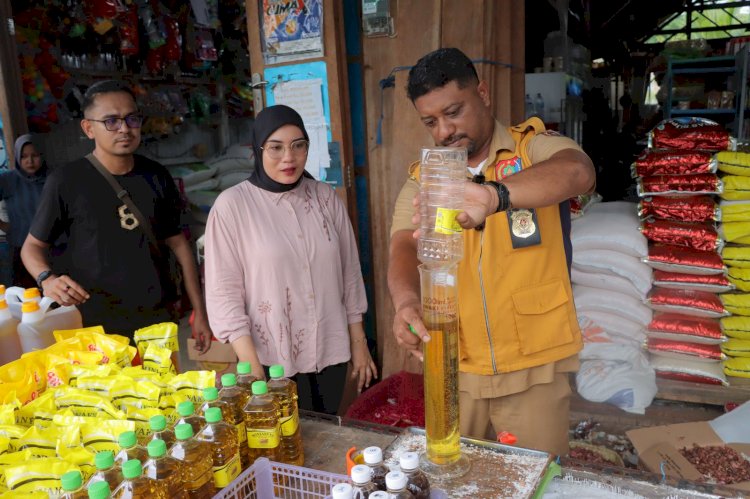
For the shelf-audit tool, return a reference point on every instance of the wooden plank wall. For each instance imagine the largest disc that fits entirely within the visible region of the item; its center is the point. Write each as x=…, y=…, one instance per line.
x=11, y=93
x=483, y=29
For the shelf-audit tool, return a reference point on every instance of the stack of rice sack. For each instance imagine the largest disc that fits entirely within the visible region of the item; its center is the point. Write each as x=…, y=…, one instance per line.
x=610, y=285
x=678, y=184
x=735, y=229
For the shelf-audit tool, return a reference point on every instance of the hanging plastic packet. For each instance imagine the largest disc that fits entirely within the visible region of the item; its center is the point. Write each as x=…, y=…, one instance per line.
x=739, y=367
x=141, y=418
x=84, y=403
x=43, y=406
x=38, y=475
x=686, y=260
x=685, y=349
x=75, y=371
x=688, y=302
x=128, y=393
x=104, y=434
x=681, y=209
x=158, y=359
x=191, y=384
x=673, y=162
x=81, y=457
x=701, y=237
x=716, y=283
x=736, y=347
x=691, y=133
x=734, y=162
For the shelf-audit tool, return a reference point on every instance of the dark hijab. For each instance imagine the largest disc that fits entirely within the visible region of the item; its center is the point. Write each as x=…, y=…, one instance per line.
x=40, y=175
x=268, y=121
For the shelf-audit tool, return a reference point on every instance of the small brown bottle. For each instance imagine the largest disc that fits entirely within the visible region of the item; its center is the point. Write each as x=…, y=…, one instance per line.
x=396, y=482
x=362, y=482
x=418, y=483
x=374, y=459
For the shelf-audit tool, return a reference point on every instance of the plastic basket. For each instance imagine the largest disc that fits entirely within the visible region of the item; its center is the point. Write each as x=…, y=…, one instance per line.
x=268, y=479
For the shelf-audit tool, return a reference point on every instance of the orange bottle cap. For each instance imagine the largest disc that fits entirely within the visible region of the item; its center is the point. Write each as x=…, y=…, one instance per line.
x=29, y=306
x=3, y=304
x=31, y=293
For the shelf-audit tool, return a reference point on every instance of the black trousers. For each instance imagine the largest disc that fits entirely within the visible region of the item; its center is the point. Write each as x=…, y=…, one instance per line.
x=320, y=392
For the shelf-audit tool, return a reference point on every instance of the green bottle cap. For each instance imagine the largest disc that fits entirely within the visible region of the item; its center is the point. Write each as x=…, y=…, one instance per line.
x=276, y=371
x=157, y=423
x=210, y=394
x=185, y=408
x=259, y=388
x=127, y=439
x=228, y=379
x=132, y=469
x=157, y=448
x=104, y=459
x=99, y=490
x=244, y=368
x=213, y=415
x=71, y=481
x=183, y=431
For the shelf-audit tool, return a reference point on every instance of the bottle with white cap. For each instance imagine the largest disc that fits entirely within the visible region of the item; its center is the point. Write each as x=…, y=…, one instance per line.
x=342, y=491
x=379, y=494
x=362, y=479
x=396, y=482
x=374, y=459
x=418, y=484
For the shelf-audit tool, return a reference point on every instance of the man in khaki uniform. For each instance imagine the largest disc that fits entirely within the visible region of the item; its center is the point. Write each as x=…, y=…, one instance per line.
x=519, y=336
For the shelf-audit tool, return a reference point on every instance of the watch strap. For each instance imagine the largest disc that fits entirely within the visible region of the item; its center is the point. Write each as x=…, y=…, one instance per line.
x=503, y=196
x=42, y=277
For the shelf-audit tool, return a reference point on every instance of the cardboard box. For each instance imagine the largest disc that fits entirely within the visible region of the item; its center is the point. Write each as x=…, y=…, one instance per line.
x=658, y=446
x=220, y=357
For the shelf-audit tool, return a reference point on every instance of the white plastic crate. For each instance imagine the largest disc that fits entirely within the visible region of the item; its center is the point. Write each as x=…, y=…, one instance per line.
x=268, y=479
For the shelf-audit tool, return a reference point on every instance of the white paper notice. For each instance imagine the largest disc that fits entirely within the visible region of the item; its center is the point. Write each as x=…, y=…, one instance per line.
x=306, y=97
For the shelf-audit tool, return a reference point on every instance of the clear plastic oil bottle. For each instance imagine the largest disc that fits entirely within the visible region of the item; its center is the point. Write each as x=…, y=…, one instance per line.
x=237, y=398
x=374, y=459
x=165, y=469
x=245, y=377
x=129, y=449
x=284, y=391
x=99, y=490
x=72, y=486
x=211, y=399
x=159, y=431
x=342, y=491
x=379, y=494
x=225, y=453
x=262, y=423
x=186, y=410
x=198, y=466
x=136, y=486
x=361, y=475
x=396, y=482
x=418, y=484
x=106, y=470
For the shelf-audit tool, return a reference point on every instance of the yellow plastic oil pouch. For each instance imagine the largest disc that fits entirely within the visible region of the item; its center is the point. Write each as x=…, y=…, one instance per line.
x=168, y=406
x=115, y=352
x=192, y=383
x=64, y=334
x=43, y=405
x=4, y=445
x=739, y=277
x=41, y=443
x=739, y=366
x=163, y=334
x=104, y=434
x=141, y=419
x=12, y=459
x=129, y=393
x=138, y=373
x=81, y=457
x=735, y=187
x=735, y=347
x=21, y=379
x=84, y=403
x=734, y=162
x=12, y=432
x=736, y=256
x=736, y=303
x=8, y=413
x=76, y=371
x=100, y=385
x=38, y=475
x=736, y=326
x=158, y=359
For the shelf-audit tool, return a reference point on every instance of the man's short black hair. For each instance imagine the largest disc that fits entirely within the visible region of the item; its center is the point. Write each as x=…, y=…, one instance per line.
x=104, y=87
x=439, y=68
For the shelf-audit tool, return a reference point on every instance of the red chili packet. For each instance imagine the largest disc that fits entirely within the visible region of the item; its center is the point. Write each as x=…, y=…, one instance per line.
x=682, y=209
x=716, y=283
x=678, y=326
x=679, y=185
x=673, y=162
x=688, y=302
x=696, y=351
x=690, y=133
x=690, y=235
x=686, y=260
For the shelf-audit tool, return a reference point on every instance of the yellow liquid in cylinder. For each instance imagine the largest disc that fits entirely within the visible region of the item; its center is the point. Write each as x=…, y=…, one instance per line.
x=285, y=393
x=198, y=477
x=225, y=452
x=141, y=487
x=441, y=392
x=237, y=398
x=263, y=428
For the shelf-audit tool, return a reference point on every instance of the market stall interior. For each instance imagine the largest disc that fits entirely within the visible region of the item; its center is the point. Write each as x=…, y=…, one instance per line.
x=655, y=93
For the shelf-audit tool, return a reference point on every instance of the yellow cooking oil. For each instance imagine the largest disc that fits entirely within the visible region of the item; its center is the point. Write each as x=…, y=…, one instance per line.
x=284, y=391
x=262, y=423
x=198, y=465
x=245, y=377
x=106, y=470
x=72, y=486
x=136, y=486
x=211, y=399
x=225, y=453
x=165, y=469
x=159, y=431
x=99, y=490
x=237, y=398
x=186, y=410
x=129, y=449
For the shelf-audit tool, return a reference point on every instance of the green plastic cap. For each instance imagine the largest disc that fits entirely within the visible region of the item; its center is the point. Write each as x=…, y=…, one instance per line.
x=132, y=469
x=127, y=439
x=259, y=388
x=183, y=431
x=99, y=490
x=186, y=408
x=210, y=394
x=71, y=480
x=244, y=368
x=157, y=448
x=104, y=459
x=276, y=371
x=228, y=379
x=213, y=415
x=157, y=423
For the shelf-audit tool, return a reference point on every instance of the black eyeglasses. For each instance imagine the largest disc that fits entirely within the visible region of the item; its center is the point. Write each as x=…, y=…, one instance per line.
x=115, y=123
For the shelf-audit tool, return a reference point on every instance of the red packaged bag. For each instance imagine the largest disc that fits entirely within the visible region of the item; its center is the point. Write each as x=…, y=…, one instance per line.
x=716, y=283
x=685, y=349
x=687, y=301
x=673, y=162
x=681, y=209
x=690, y=370
x=690, y=133
x=698, y=236
x=678, y=327
x=685, y=260
x=679, y=185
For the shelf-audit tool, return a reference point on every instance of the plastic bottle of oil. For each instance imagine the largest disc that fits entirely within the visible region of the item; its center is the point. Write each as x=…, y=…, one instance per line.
x=136, y=486
x=211, y=399
x=225, y=452
x=418, y=484
x=374, y=459
x=72, y=485
x=262, y=423
x=129, y=449
x=396, y=482
x=99, y=490
x=186, y=410
x=284, y=391
x=342, y=491
x=165, y=469
x=237, y=398
x=362, y=481
x=245, y=378
x=198, y=466
x=106, y=471
x=159, y=431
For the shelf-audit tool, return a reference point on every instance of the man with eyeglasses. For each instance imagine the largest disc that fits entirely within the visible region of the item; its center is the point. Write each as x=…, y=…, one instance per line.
x=109, y=267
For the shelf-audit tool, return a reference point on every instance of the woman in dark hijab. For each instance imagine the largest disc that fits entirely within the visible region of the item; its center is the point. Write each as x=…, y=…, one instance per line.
x=21, y=189
x=283, y=281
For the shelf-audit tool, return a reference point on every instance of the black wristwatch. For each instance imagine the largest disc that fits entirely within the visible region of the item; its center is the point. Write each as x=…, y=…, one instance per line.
x=503, y=196
x=42, y=277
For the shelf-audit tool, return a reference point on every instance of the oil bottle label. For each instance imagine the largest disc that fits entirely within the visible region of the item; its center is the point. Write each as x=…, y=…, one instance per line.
x=241, y=432
x=223, y=475
x=263, y=438
x=290, y=424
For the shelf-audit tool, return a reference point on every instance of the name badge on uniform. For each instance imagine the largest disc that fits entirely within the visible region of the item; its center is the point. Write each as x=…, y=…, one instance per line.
x=524, y=228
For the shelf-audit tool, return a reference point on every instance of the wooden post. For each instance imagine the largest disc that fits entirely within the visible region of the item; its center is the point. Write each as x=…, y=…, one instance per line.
x=11, y=92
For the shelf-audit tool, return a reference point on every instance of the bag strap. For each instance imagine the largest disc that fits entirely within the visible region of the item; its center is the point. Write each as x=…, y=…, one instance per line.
x=124, y=196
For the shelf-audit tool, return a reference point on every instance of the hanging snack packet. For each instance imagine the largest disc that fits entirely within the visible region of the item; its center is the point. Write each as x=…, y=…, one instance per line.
x=38, y=475
x=126, y=392
x=701, y=237
x=104, y=434
x=673, y=162
x=191, y=384
x=84, y=403
x=158, y=359
x=683, y=209
x=690, y=133
x=734, y=162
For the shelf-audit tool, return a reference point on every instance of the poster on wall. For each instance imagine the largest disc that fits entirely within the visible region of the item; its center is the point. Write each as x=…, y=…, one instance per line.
x=292, y=29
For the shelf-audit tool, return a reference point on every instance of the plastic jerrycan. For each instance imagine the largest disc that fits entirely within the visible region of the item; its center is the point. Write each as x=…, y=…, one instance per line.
x=11, y=345
x=15, y=296
x=38, y=322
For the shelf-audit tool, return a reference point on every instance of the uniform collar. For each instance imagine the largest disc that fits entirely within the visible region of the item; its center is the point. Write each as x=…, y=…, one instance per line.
x=501, y=141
